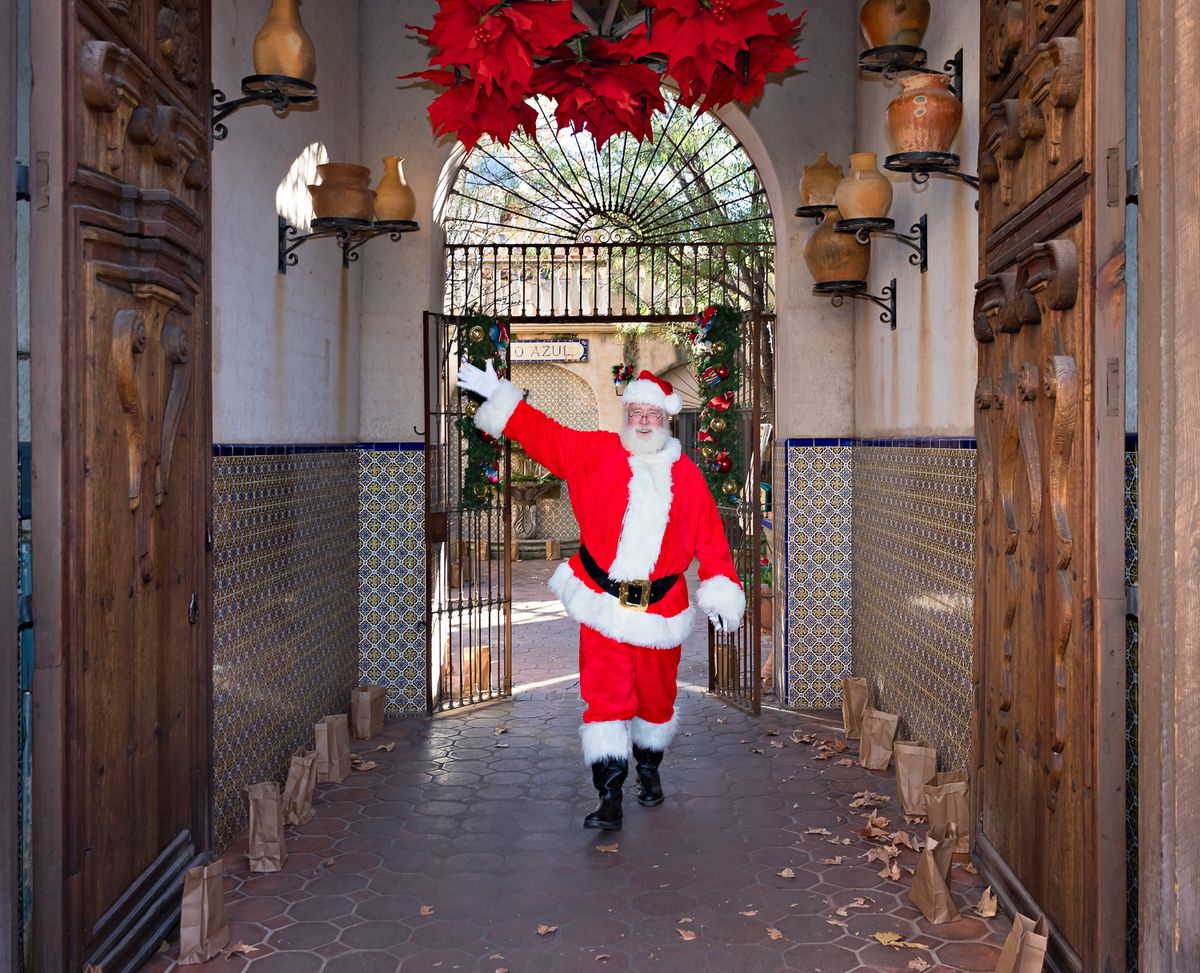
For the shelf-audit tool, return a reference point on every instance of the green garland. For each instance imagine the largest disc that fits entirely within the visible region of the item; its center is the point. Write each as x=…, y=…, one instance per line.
x=716, y=345
x=480, y=337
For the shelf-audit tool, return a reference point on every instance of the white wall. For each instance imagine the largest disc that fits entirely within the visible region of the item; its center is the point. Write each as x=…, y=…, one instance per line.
x=811, y=111
x=285, y=348
x=919, y=380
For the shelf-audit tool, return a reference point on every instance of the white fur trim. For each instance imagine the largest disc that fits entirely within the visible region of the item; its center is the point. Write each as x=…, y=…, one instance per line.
x=494, y=414
x=645, y=392
x=653, y=736
x=602, y=612
x=645, y=514
x=607, y=739
x=720, y=596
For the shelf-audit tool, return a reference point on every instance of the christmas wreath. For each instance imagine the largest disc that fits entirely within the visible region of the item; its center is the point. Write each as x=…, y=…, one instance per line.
x=490, y=57
x=480, y=337
x=716, y=339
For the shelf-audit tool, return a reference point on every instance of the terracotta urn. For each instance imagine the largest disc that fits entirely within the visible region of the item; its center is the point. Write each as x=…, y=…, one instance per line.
x=865, y=192
x=886, y=22
x=282, y=46
x=818, y=182
x=342, y=192
x=394, y=198
x=836, y=256
x=925, y=116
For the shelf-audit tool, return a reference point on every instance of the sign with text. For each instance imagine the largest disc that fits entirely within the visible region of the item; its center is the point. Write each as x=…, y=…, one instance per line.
x=549, y=350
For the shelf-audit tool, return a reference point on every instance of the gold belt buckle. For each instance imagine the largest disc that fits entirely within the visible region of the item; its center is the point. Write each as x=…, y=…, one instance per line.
x=623, y=597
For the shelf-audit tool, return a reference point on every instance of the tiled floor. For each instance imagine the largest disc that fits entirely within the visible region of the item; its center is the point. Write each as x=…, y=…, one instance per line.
x=464, y=841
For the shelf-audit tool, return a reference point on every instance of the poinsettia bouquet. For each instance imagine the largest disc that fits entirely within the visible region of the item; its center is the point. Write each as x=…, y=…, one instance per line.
x=490, y=57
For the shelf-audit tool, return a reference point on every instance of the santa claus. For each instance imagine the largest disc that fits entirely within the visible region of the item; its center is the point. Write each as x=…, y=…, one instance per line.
x=644, y=512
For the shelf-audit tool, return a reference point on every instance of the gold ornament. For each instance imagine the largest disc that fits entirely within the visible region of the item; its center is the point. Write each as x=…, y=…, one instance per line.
x=706, y=452
x=471, y=407
x=476, y=333
x=729, y=488
x=482, y=491
x=718, y=348
x=717, y=424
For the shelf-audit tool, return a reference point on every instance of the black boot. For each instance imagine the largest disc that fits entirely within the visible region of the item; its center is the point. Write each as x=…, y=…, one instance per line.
x=650, y=790
x=608, y=775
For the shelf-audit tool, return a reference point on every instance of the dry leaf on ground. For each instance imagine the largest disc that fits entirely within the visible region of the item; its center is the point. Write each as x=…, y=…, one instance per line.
x=839, y=841
x=757, y=750
x=496, y=956
x=686, y=935
x=824, y=756
x=500, y=728
x=426, y=910
x=833, y=861
x=824, y=831
x=896, y=941
x=601, y=958
x=722, y=719
x=915, y=818
x=844, y=762
x=904, y=838
x=774, y=933
x=501, y=746
x=883, y=854
x=798, y=737
x=685, y=919
x=840, y=747
x=891, y=871
x=749, y=912
x=327, y=861
x=987, y=904
x=501, y=969
x=363, y=764
x=868, y=799
x=786, y=873
x=544, y=930
x=236, y=948
x=777, y=744
x=969, y=868
x=386, y=747
x=917, y=963
x=837, y=922
x=609, y=849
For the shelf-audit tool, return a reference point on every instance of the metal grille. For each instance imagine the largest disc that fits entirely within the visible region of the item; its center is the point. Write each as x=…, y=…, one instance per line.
x=735, y=657
x=468, y=551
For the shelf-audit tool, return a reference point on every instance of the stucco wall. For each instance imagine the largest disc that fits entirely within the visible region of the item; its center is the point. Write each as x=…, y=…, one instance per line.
x=919, y=380
x=285, y=348
x=811, y=111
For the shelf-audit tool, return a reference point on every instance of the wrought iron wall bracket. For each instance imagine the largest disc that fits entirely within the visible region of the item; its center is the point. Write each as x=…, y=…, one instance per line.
x=917, y=237
x=816, y=212
x=349, y=234
x=838, y=290
x=275, y=89
x=921, y=165
x=894, y=59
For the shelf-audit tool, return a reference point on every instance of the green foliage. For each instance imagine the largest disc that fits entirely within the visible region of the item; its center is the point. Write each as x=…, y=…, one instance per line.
x=480, y=337
x=716, y=338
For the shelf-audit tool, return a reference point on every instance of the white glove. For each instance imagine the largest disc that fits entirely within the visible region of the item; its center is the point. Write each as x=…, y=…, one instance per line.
x=720, y=624
x=482, y=381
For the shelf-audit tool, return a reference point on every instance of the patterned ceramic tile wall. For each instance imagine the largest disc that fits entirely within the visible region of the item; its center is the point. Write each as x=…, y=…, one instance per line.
x=914, y=550
x=564, y=396
x=391, y=574
x=285, y=607
x=817, y=553
x=1131, y=710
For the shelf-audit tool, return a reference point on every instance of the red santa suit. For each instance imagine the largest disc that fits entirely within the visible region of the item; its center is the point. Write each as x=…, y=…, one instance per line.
x=641, y=517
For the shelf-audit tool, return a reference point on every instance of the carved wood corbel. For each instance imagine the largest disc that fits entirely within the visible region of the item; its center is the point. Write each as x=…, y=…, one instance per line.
x=1053, y=83
x=1006, y=31
x=166, y=149
x=177, y=31
x=1001, y=146
x=1001, y=305
x=1049, y=272
x=110, y=79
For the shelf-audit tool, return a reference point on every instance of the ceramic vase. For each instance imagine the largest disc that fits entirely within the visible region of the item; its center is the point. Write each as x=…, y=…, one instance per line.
x=836, y=256
x=819, y=181
x=925, y=116
x=886, y=22
x=282, y=46
x=394, y=198
x=342, y=192
x=865, y=192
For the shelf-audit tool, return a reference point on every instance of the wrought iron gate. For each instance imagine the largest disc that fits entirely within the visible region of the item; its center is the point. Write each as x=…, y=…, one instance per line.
x=468, y=609
x=735, y=658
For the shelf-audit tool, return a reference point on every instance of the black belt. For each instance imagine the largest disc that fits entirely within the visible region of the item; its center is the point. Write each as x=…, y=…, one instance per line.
x=639, y=594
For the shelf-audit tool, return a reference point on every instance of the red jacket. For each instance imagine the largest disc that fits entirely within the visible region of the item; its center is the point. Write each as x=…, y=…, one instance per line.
x=641, y=517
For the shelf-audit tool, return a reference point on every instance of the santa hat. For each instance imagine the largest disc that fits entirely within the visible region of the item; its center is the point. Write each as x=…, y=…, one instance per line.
x=648, y=389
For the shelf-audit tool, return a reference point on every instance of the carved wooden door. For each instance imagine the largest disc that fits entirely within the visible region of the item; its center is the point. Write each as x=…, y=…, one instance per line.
x=136, y=457
x=1048, y=318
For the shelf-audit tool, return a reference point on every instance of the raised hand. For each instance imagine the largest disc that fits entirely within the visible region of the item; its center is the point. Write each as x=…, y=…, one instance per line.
x=482, y=381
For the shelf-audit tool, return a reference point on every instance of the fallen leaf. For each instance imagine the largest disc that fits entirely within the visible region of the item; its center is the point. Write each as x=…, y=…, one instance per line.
x=386, y=747
x=917, y=963
x=601, y=957
x=749, y=912
x=501, y=969
x=237, y=948
x=888, y=938
x=915, y=818
x=684, y=919
x=904, y=838
x=686, y=935
x=609, y=849
x=833, y=861
x=884, y=854
x=500, y=728
x=777, y=744
x=837, y=922
x=839, y=841
x=786, y=873
x=824, y=756
x=757, y=750
x=969, y=868
x=426, y=910
x=840, y=747
x=366, y=765
x=774, y=933
x=496, y=956
x=798, y=737
x=544, y=930
x=824, y=831
x=327, y=861
x=891, y=871
x=501, y=746
x=722, y=719
x=860, y=902
x=844, y=762
x=987, y=904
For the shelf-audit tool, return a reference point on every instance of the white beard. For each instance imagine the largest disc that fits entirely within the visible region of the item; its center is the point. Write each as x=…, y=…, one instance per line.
x=645, y=445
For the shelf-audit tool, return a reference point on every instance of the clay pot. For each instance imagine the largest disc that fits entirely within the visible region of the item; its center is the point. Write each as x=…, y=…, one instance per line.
x=343, y=192
x=886, y=22
x=865, y=192
x=836, y=256
x=925, y=116
x=819, y=181
x=282, y=46
x=394, y=198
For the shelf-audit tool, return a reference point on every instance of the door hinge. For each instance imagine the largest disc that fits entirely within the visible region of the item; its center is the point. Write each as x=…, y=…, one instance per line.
x=1131, y=185
x=22, y=183
x=1131, y=600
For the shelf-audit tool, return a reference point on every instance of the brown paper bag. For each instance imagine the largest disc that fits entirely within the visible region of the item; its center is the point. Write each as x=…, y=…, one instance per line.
x=916, y=762
x=930, y=890
x=203, y=931
x=299, y=788
x=1025, y=949
x=266, y=848
x=946, y=802
x=333, y=749
x=854, y=701
x=878, y=732
x=366, y=711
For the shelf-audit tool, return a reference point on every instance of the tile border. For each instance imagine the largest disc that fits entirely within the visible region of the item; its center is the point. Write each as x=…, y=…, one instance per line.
x=289, y=449
x=901, y=442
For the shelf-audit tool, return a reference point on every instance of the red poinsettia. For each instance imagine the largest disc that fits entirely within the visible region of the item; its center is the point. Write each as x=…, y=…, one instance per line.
x=469, y=111
x=499, y=42
x=697, y=36
x=601, y=89
x=766, y=54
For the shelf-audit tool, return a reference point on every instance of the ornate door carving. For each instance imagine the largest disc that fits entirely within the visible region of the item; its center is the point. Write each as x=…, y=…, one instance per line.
x=1043, y=799
x=135, y=485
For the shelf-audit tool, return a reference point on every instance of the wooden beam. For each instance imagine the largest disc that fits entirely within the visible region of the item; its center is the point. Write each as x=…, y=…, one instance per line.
x=1169, y=483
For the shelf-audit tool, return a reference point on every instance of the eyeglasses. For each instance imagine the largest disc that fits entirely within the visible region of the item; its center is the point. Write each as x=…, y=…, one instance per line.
x=653, y=415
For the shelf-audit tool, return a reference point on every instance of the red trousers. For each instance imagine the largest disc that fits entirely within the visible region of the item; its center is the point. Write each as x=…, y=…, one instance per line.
x=619, y=681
